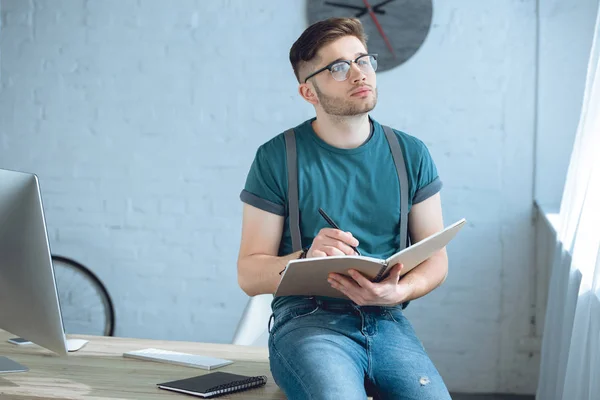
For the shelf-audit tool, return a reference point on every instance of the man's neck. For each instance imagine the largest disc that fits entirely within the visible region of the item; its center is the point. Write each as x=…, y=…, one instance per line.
x=343, y=132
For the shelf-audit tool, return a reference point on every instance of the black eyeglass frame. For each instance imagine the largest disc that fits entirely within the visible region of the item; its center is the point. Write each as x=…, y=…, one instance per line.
x=349, y=62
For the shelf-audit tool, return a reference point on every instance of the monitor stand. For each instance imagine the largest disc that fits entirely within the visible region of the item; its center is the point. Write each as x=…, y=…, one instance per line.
x=7, y=365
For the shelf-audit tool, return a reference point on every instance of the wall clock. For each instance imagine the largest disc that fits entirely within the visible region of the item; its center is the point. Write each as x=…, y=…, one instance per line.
x=396, y=29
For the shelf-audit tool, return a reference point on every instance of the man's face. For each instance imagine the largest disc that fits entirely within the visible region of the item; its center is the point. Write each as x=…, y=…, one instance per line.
x=355, y=95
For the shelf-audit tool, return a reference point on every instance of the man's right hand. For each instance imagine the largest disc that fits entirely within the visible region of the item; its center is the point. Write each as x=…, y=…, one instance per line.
x=332, y=242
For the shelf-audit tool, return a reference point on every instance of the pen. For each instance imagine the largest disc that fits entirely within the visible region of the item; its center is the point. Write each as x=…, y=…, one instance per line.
x=334, y=225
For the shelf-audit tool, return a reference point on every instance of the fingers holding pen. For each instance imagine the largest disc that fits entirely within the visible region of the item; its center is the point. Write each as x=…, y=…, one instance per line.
x=332, y=242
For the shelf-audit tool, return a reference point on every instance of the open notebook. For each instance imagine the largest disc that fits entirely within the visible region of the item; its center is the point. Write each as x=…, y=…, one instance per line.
x=308, y=277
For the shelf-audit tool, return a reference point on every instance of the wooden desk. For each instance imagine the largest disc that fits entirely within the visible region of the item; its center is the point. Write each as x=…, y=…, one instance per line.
x=100, y=372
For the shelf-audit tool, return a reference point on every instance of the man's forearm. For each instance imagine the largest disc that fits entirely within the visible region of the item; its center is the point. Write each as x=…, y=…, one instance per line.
x=427, y=276
x=259, y=273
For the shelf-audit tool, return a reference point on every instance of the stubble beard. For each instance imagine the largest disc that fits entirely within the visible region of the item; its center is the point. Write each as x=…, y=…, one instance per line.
x=345, y=107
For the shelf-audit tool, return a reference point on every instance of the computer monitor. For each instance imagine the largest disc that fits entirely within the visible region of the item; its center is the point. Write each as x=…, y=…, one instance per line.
x=29, y=305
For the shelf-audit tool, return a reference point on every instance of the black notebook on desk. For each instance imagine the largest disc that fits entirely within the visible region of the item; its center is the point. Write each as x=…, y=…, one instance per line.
x=214, y=384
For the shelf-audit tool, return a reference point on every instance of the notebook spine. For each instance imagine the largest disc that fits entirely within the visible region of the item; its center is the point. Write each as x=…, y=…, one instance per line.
x=238, y=386
x=380, y=273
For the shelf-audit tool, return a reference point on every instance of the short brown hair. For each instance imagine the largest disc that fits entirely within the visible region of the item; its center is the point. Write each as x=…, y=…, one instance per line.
x=320, y=34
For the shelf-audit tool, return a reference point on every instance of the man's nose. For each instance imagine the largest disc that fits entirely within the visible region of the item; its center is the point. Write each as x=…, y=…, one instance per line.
x=356, y=73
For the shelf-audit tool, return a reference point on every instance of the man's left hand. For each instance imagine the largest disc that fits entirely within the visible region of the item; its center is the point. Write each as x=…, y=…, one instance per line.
x=366, y=293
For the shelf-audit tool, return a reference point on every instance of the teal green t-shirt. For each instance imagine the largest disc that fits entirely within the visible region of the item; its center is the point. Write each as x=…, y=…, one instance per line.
x=358, y=188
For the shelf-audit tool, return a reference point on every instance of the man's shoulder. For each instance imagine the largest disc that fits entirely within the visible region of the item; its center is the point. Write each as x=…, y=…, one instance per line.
x=275, y=146
x=410, y=142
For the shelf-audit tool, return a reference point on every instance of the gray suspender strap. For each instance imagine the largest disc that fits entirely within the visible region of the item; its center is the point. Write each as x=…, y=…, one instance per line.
x=402, y=179
x=293, y=208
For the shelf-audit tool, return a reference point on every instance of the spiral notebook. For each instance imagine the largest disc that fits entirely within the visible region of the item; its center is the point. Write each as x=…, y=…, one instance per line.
x=214, y=384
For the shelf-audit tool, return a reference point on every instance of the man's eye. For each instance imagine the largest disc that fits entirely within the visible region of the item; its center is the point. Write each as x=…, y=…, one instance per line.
x=338, y=67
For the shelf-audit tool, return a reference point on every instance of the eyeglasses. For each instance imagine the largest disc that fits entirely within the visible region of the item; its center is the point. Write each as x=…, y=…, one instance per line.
x=340, y=68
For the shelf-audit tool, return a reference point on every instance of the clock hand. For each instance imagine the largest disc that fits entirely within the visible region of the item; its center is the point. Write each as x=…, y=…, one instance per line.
x=363, y=10
x=379, y=28
x=366, y=10
x=376, y=8
x=331, y=3
x=379, y=5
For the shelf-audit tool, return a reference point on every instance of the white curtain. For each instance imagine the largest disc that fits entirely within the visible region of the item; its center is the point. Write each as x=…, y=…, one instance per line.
x=570, y=358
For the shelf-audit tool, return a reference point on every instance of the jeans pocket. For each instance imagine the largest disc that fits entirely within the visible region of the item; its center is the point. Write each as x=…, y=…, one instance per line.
x=293, y=314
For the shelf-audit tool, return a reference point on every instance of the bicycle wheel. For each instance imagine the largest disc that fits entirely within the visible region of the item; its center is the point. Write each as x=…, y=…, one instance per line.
x=85, y=304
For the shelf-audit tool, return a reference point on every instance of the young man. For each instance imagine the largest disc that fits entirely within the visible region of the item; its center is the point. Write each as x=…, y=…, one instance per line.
x=324, y=348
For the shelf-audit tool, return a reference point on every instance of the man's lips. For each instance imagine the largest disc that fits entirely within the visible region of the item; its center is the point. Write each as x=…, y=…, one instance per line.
x=361, y=90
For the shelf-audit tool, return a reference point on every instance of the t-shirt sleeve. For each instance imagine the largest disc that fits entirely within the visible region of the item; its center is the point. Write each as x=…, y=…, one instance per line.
x=428, y=180
x=264, y=186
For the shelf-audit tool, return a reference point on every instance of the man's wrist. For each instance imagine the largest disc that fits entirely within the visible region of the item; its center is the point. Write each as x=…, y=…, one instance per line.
x=303, y=253
x=406, y=290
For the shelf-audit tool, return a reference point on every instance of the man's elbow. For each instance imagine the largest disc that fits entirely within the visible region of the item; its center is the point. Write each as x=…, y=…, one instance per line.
x=444, y=277
x=248, y=289
x=444, y=266
x=243, y=281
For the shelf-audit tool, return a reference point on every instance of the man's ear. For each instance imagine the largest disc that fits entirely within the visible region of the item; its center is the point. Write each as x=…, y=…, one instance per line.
x=308, y=93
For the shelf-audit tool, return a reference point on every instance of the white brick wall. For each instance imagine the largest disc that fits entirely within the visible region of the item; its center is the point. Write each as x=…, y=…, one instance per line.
x=141, y=119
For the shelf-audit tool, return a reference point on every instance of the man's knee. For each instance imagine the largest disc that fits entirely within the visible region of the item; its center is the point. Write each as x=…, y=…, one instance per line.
x=317, y=367
x=301, y=381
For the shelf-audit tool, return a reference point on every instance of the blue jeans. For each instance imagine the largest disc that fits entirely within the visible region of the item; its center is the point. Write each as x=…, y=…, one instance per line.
x=323, y=348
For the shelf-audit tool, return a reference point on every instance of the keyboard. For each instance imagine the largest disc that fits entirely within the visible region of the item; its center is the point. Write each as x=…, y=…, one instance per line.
x=173, y=357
